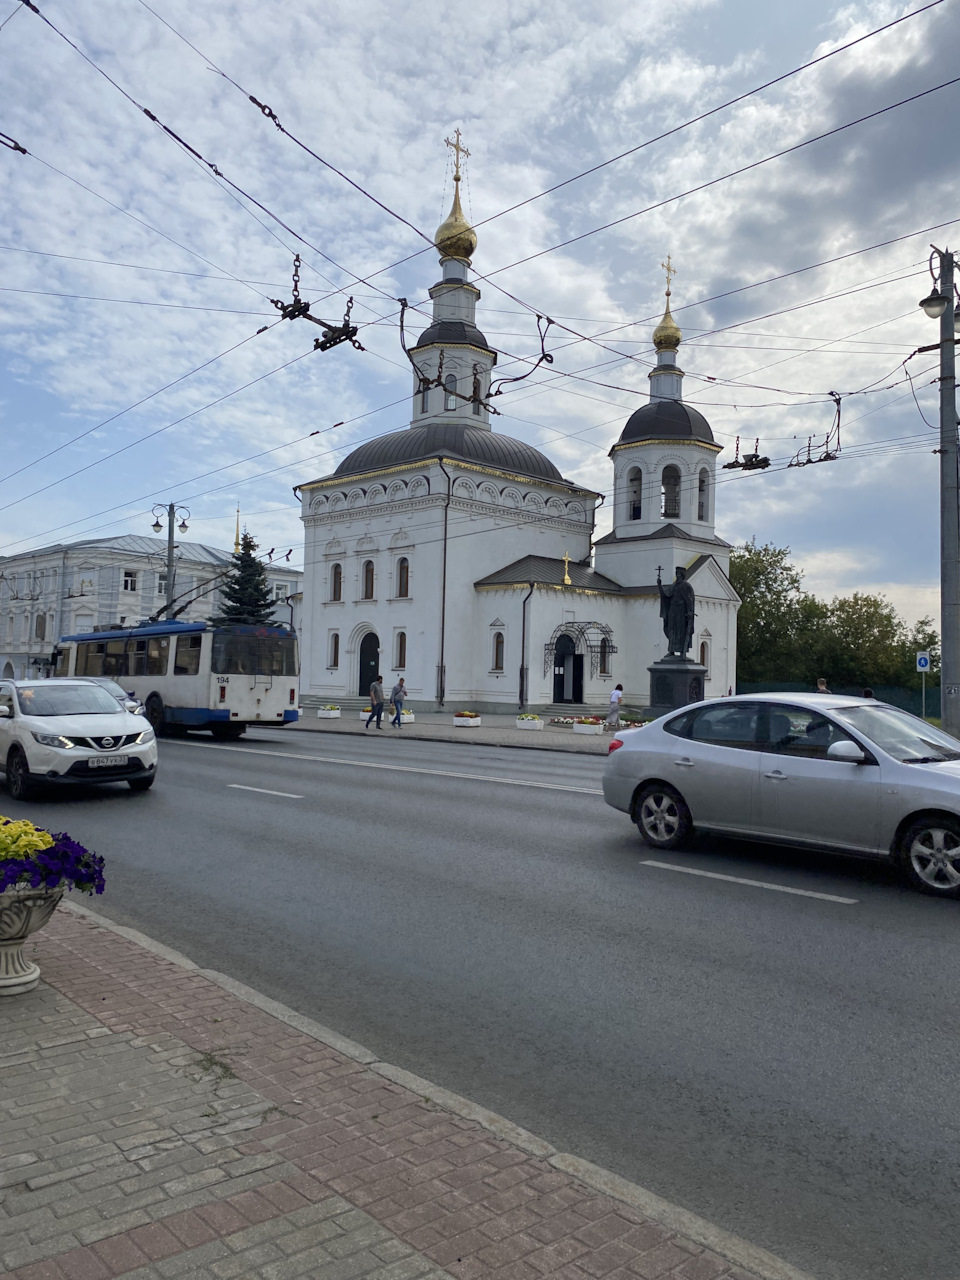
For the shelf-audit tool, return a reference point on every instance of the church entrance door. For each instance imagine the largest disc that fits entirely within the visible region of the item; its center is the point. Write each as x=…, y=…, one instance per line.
x=369, y=662
x=567, y=671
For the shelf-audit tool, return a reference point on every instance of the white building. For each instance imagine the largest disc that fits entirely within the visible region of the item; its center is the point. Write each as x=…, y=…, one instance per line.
x=71, y=587
x=461, y=559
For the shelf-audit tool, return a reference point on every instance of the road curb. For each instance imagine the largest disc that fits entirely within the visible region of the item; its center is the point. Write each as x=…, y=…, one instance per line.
x=736, y=1250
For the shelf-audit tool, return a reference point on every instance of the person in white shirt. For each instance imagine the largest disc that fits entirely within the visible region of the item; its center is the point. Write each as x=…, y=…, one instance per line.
x=612, y=721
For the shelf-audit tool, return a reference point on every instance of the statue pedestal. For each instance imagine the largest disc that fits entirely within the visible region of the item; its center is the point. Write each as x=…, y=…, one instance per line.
x=675, y=682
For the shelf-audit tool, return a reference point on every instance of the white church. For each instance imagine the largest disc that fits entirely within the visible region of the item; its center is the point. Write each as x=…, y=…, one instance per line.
x=462, y=560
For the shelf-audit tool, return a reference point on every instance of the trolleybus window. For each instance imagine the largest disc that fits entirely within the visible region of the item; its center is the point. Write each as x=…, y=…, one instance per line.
x=187, y=660
x=245, y=655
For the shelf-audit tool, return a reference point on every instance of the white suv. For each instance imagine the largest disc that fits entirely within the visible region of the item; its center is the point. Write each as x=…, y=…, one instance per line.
x=63, y=731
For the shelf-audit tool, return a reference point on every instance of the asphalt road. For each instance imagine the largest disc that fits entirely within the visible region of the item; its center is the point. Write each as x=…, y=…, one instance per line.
x=786, y=1066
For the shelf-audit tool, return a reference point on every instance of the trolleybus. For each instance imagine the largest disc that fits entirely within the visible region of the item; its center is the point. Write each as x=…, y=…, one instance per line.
x=193, y=675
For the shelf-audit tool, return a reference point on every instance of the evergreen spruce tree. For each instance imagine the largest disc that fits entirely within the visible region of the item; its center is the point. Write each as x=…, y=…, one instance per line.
x=246, y=592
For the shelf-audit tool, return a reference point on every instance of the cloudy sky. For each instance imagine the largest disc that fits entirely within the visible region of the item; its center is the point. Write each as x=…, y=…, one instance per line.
x=134, y=280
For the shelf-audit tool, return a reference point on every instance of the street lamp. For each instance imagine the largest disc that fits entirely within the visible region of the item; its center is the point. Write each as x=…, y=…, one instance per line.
x=936, y=306
x=171, y=511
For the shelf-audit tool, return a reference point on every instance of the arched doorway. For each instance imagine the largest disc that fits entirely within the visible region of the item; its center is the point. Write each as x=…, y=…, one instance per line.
x=8, y=671
x=567, y=671
x=369, y=662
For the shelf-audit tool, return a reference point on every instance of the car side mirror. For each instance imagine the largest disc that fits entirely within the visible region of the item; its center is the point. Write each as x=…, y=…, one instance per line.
x=5, y=713
x=846, y=750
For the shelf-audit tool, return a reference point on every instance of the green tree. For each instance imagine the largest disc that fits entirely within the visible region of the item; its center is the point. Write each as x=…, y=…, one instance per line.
x=776, y=616
x=246, y=592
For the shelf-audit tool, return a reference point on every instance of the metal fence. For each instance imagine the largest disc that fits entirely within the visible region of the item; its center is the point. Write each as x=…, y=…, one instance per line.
x=908, y=699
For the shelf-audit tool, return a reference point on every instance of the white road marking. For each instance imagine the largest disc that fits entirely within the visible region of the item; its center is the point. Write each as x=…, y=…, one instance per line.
x=288, y=795
x=757, y=884
x=396, y=768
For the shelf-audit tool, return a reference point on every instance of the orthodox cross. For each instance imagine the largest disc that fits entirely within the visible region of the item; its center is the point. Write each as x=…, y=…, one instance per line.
x=659, y=571
x=567, y=581
x=670, y=270
x=459, y=150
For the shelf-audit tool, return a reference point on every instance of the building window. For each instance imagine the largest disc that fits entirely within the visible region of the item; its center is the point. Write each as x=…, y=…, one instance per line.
x=336, y=582
x=424, y=399
x=161, y=584
x=40, y=627
x=129, y=579
x=279, y=590
x=604, y=656
x=401, y=650
x=335, y=649
x=449, y=392
x=705, y=658
x=368, y=579
x=403, y=577
x=635, y=493
x=703, y=496
x=497, y=651
x=670, y=493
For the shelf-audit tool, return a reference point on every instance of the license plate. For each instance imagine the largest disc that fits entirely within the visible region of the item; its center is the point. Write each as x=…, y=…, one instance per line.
x=99, y=762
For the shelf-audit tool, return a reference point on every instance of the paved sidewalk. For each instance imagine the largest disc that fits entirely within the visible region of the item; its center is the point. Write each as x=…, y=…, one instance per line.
x=161, y=1122
x=495, y=731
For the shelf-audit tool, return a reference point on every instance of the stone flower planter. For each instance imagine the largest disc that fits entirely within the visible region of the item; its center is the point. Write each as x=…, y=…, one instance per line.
x=535, y=725
x=329, y=715
x=407, y=717
x=587, y=728
x=466, y=722
x=22, y=911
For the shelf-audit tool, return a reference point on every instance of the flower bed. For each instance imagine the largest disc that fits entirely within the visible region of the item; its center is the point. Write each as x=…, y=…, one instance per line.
x=466, y=720
x=587, y=724
x=529, y=722
x=36, y=867
x=328, y=713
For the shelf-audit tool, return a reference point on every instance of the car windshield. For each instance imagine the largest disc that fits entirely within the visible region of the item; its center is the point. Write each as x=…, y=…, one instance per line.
x=52, y=698
x=114, y=690
x=900, y=734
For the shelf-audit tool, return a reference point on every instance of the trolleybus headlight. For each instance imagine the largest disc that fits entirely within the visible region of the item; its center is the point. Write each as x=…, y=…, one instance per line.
x=53, y=740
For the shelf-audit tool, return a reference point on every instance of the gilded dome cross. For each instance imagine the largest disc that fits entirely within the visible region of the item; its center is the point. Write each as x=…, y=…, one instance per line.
x=459, y=150
x=670, y=270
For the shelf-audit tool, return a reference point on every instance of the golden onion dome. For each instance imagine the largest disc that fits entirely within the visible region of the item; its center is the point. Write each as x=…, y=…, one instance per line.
x=667, y=335
x=455, y=237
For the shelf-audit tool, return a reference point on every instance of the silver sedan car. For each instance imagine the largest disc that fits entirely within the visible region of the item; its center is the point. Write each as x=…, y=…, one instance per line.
x=847, y=774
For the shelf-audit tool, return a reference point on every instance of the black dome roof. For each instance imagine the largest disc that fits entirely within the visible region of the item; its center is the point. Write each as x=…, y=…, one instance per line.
x=451, y=440
x=666, y=420
x=453, y=331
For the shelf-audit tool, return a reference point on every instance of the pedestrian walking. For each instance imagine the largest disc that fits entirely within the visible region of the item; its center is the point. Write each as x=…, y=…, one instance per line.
x=612, y=721
x=397, y=698
x=376, y=702
x=822, y=685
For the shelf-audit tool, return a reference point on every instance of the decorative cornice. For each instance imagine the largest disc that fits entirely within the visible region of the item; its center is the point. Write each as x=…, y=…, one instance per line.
x=673, y=442
x=351, y=481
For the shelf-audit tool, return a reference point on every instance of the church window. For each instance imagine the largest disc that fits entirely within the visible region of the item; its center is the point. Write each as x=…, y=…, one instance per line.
x=703, y=494
x=705, y=657
x=403, y=577
x=424, y=399
x=401, y=651
x=604, y=656
x=497, y=651
x=335, y=649
x=449, y=392
x=635, y=493
x=336, y=582
x=670, y=493
x=368, y=579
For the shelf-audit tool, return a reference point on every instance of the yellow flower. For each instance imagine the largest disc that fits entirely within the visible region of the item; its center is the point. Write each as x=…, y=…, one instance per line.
x=19, y=839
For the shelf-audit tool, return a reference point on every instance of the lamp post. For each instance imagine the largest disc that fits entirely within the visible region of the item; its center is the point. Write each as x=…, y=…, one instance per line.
x=171, y=511
x=939, y=305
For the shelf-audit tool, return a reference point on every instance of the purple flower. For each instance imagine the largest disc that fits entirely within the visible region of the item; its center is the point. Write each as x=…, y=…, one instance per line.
x=66, y=863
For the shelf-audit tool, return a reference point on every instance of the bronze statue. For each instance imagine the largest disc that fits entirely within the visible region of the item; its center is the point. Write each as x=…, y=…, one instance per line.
x=677, y=603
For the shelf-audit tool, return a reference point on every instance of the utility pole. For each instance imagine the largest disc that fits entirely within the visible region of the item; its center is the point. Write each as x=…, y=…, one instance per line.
x=940, y=304
x=172, y=511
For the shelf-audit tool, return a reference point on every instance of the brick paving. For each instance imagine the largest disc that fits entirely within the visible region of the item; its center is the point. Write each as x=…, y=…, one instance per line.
x=154, y=1126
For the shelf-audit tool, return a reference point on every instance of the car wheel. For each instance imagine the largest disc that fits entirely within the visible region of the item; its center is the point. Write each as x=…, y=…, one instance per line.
x=18, y=775
x=141, y=784
x=154, y=714
x=930, y=855
x=662, y=817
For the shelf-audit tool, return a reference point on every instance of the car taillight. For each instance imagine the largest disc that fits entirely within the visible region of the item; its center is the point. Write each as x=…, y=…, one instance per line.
x=614, y=744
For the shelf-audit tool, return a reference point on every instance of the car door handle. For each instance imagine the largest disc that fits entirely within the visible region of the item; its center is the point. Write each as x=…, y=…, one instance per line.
x=776, y=776
x=685, y=763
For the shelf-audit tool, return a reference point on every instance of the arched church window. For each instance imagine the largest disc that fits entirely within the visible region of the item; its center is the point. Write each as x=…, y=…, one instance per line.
x=335, y=649
x=449, y=392
x=368, y=579
x=703, y=494
x=403, y=577
x=497, y=651
x=635, y=493
x=705, y=657
x=604, y=656
x=336, y=582
x=401, y=651
x=670, y=493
